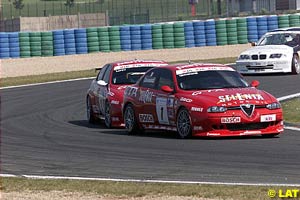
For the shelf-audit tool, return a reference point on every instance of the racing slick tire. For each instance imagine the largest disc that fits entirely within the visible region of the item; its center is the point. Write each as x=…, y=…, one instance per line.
x=130, y=120
x=89, y=111
x=183, y=124
x=107, y=115
x=295, y=64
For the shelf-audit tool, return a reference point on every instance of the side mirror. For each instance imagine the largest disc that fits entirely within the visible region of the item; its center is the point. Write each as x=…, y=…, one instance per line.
x=101, y=83
x=166, y=88
x=253, y=44
x=255, y=83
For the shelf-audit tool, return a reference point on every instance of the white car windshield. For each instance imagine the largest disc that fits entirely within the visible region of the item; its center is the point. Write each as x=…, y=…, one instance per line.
x=211, y=80
x=290, y=39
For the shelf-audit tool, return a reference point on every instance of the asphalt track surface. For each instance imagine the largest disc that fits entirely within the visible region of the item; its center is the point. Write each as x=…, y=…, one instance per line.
x=45, y=132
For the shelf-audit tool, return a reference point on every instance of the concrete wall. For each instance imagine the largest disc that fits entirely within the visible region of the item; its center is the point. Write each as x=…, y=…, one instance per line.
x=54, y=22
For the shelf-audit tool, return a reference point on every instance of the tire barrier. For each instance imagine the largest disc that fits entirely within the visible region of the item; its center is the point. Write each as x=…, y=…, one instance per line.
x=81, y=41
x=186, y=34
x=157, y=36
x=146, y=36
x=242, y=31
x=294, y=20
x=262, y=26
x=69, y=38
x=199, y=33
x=272, y=22
x=221, y=31
x=4, y=45
x=47, y=44
x=125, y=38
x=189, y=36
x=104, y=42
x=179, y=40
x=210, y=33
x=14, y=45
x=136, y=38
x=58, y=43
x=168, y=36
x=283, y=21
x=252, y=29
x=232, y=35
x=114, y=38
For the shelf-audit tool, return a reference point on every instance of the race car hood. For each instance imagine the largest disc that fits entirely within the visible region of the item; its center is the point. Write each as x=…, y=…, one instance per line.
x=268, y=49
x=230, y=97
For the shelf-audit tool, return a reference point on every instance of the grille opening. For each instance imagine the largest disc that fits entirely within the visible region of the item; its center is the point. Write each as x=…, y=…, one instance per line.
x=263, y=56
x=254, y=57
x=248, y=126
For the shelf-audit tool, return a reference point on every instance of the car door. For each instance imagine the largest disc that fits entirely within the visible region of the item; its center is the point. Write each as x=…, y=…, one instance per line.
x=164, y=101
x=103, y=88
x=145, y=99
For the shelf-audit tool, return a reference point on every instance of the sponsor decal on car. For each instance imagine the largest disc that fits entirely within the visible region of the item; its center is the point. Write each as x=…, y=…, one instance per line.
x=196, y=109
x=124, y=66
x=122, y=87
x=115, y=119
x=195, y=70
x=146, y=96
x=146, y=118
x=115, y=102
x=161, y=110
x=268, y=118
x=131, y=91
x=183, y=99
x=230, y=120
x=240, y=97
x=201, y=92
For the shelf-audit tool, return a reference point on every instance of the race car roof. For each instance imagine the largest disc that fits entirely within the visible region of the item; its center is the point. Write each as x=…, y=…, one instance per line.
x=200, y=66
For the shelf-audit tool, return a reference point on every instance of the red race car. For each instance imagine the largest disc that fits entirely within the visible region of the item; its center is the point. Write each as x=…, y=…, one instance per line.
x=200, y=100
x=105, y=95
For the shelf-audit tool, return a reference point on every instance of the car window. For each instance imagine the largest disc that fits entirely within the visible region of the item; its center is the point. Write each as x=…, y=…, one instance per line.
x=107, y=74
x=101, y=73
x=165, y=78
x=149, y=80
x=128, y=75
x=211, y=80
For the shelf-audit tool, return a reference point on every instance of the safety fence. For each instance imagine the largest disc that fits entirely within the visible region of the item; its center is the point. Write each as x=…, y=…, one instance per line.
x=142, y=37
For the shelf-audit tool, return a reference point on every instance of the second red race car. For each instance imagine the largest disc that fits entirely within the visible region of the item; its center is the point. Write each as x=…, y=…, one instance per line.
x=200, y=100
x=105, y=95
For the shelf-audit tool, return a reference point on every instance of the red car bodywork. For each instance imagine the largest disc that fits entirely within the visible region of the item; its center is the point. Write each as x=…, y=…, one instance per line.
x=247, y=110
x=106, y=90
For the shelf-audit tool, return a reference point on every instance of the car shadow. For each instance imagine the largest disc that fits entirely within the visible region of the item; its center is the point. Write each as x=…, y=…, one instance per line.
x=155, y=133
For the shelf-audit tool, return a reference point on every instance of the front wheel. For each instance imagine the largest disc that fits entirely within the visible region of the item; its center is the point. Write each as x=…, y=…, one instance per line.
x=89, y=111
x=130, y=120
x=107, y=117
x=295, y=65
x=183, y=123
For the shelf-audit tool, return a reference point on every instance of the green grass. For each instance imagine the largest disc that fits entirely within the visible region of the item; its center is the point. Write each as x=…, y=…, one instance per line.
x=77, y=74
x=291, y=110
x=130, y=189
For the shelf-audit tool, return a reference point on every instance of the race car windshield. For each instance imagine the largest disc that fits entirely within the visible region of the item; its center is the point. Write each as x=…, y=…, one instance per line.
x=205, y=80
x=128, y=75
x=290, y=39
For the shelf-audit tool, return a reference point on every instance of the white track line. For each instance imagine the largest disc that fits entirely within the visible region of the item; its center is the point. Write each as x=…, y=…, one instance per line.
x=288, y=97
x=145, y=180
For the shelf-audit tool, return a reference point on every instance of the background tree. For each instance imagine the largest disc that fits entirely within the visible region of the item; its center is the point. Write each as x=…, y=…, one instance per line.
x=18, y=4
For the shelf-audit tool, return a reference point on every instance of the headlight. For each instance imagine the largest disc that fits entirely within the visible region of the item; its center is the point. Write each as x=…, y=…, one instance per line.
x=216, y=109
x=244, y=57
x=276, y=55
x=273, y=106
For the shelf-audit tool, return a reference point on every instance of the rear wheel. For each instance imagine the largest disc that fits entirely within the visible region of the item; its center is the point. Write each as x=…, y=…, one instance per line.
x=107, y=117
x=183, y=123
x=130, y=120
x=295, y=65
x=89, y=111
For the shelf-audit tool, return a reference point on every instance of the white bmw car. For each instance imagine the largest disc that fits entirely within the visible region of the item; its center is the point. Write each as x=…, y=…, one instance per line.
x=276, y=51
